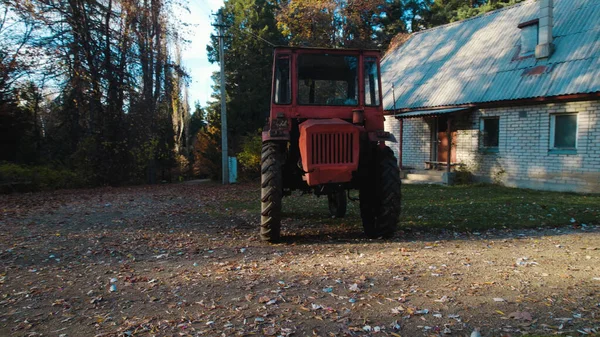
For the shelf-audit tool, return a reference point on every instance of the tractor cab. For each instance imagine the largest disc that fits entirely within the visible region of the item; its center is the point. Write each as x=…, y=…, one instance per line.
x=326, y=83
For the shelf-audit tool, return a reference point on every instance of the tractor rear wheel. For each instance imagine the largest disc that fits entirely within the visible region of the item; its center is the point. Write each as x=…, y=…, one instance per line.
x=337, y=202
x=380, y=196
x=271, y=191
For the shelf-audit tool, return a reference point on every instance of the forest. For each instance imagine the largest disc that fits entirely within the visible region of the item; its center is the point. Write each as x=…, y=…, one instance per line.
x=93, y=92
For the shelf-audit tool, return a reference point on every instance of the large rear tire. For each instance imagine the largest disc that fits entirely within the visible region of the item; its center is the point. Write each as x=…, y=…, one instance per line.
x=337, y=203
x=380, y=196
x=271, y=191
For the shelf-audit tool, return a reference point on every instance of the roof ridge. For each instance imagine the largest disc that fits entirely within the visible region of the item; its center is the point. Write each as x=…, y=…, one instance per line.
x=495, y=11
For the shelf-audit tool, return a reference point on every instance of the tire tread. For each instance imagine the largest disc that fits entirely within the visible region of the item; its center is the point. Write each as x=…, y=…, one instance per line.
x=271, y=192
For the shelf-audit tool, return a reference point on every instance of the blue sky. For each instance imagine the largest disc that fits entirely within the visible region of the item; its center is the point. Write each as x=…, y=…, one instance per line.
x=194, y=55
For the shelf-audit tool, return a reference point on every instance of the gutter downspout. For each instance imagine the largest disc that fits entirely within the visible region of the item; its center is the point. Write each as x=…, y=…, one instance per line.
x=401, y=121
x=449, y=136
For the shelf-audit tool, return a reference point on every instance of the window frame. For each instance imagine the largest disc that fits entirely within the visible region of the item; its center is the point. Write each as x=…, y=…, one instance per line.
x=289, y=81
x=529, y=38
x=482, y=145
x=377, y=80
x=552, y=145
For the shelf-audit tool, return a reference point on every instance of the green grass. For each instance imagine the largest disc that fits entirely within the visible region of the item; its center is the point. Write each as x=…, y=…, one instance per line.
x=23, y=178
x=466, y=207
x=474, y=207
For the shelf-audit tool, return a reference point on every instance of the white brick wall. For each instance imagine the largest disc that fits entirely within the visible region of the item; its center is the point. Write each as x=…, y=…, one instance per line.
x=523, y=158
x=392, y=125
x=416, y=140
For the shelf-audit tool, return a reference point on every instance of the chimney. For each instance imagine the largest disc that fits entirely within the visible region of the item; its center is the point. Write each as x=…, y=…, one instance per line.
x=545, y=47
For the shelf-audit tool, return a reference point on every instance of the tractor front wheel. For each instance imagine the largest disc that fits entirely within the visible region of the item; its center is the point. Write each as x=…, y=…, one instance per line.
x=271, y=191
x=337, y=202
x=380, y=196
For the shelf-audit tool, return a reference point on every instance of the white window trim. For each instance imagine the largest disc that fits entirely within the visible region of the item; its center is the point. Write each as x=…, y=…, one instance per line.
x=553, y=131
x=481, y=132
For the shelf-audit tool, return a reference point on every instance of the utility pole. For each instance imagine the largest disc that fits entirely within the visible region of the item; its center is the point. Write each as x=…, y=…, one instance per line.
x=224, y=154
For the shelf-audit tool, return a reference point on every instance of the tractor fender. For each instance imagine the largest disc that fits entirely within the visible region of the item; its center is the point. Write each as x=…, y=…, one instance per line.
x=379, y=136
x=268, y=135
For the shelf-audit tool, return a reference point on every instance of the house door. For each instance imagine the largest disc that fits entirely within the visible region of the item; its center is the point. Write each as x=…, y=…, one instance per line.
x=442, y=141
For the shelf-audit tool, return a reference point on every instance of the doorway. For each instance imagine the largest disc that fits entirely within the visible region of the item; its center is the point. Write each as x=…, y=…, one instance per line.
x=440, y=136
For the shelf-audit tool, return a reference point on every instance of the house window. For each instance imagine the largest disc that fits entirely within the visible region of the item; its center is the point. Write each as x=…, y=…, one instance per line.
x=490, y=133
x=563, y=131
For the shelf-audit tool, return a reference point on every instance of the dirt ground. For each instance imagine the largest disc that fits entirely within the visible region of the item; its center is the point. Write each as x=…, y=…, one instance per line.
x=175, y=260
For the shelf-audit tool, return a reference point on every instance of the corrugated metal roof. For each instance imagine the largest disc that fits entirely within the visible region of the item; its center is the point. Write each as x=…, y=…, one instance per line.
x=423, y=113
x=477, y=60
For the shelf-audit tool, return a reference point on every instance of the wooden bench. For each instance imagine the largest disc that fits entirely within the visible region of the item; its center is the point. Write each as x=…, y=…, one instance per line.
x=434, y=164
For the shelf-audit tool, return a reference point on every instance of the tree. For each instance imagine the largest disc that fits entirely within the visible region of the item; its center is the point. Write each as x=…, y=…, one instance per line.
x=311, y=23
x=16, y=58
x=116, y=84
x=331, y=23
x=400, y=17
x=20, y=131
x=251, y=32
x=197, y=121
x=445, y=11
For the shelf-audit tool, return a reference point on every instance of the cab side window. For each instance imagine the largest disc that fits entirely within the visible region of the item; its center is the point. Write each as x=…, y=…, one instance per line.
x=282, y=85
x=371, y=82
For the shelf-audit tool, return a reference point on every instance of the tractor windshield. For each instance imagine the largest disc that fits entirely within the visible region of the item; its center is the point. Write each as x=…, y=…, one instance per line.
x=325, y=79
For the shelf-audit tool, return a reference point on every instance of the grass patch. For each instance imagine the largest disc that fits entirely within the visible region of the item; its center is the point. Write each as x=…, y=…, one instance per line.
x=316, y=210
x=251, y=206
x=467, y=207
x=22, y=178
x=298, y=206
x=474, y=207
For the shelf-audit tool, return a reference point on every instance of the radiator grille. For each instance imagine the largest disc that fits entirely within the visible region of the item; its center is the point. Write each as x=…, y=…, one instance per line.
x=332, y=148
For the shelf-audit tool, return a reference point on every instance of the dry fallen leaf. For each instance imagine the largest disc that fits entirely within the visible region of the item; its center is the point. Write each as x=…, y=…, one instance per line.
x=521, y=315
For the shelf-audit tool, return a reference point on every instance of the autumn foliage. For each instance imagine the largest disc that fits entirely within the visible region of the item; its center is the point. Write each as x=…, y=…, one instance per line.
x=207, y=153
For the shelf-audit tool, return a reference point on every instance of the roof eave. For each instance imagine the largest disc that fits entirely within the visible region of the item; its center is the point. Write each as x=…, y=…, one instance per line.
x=506, y=103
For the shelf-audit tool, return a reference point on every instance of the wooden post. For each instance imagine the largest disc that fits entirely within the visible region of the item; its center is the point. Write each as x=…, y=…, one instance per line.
x=224, y=146
x=449, y=136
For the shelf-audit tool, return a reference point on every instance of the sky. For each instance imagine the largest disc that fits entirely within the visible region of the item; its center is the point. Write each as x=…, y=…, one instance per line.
x=195, y=59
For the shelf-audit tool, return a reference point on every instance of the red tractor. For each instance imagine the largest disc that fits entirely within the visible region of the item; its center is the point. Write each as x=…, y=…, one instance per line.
x=325, y=135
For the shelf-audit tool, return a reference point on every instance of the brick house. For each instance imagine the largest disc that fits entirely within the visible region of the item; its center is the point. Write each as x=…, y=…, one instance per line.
x=516, y=92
